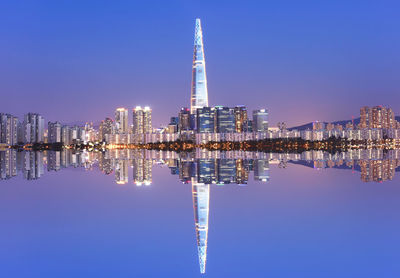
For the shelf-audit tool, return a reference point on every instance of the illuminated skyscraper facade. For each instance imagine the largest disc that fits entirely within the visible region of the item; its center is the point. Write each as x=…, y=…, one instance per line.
x=105, y=129
x=260, y=120
x=185, y=120
x=205, y=120
x=199, y=91
x=121, y=120
x=240, y=118
x=224, y=119
x=142, y=123
x=8, y=129
x=377, y=117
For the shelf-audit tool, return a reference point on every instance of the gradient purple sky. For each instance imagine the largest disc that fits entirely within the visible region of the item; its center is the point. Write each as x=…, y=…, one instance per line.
x=303, y=60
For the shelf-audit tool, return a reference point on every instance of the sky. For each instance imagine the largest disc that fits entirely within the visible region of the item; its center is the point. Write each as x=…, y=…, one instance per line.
x=303, y=60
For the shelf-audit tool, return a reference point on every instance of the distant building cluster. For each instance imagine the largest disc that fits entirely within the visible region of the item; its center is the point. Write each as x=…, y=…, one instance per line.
x=118, y=131
x=376, y=123
x=13, y=132
x=221, y=122
x=67, y=135
x=217, y=123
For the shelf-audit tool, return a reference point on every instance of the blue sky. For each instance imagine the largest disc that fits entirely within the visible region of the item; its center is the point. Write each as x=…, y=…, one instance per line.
x=304, y=61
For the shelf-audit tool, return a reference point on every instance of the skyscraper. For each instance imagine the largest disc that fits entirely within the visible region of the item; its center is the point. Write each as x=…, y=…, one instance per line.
x=205, y=120
x=185, y=121
x=224, y=119
x=365, y=117
x=260, y=120
x=199, y=92
x=8, y=129
x=142, y=123
x=240, y=118
x=106, y=128
x=121, y=120
x=377, y=117
x=54, y=132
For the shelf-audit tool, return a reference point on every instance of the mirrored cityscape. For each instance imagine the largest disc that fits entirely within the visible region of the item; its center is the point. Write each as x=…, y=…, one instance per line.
x=200, y=166
x=200, y=169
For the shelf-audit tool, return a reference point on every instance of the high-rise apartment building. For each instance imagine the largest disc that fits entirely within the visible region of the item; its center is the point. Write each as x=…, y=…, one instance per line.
x=34, y=128
x=121, y=120
x=8, y=129
x=365, y=117
x=317, y=125
x=142, y=123
x=199, y=91
x=377, y=117
x=54, y=132
x=260, y=120
x=65, y=135
x=105, y=129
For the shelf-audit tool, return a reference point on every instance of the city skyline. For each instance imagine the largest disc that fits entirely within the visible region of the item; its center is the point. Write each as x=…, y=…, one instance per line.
x=279, y=56
x=200, y=139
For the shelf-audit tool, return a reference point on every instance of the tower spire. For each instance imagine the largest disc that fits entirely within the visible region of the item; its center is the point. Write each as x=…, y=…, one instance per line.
x=199, y=91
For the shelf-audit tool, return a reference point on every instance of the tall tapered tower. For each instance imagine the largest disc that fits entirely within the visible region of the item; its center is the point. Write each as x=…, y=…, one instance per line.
x=199, y=91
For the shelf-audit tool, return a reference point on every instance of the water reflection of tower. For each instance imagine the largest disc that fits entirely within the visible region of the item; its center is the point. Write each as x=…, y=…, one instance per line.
x=33, y=165
x=142, y=171
x=201, y=207
x=121, y=171
x=8, y=164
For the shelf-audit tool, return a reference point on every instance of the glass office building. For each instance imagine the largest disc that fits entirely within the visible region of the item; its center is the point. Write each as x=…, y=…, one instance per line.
x=224, y=119
x=205, y=120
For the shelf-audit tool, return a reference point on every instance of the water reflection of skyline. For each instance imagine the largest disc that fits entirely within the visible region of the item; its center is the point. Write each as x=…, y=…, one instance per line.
x=201, y=166
x=201, y=169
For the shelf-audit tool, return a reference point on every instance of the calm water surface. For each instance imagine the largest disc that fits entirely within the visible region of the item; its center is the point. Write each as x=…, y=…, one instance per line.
x=124, y=214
